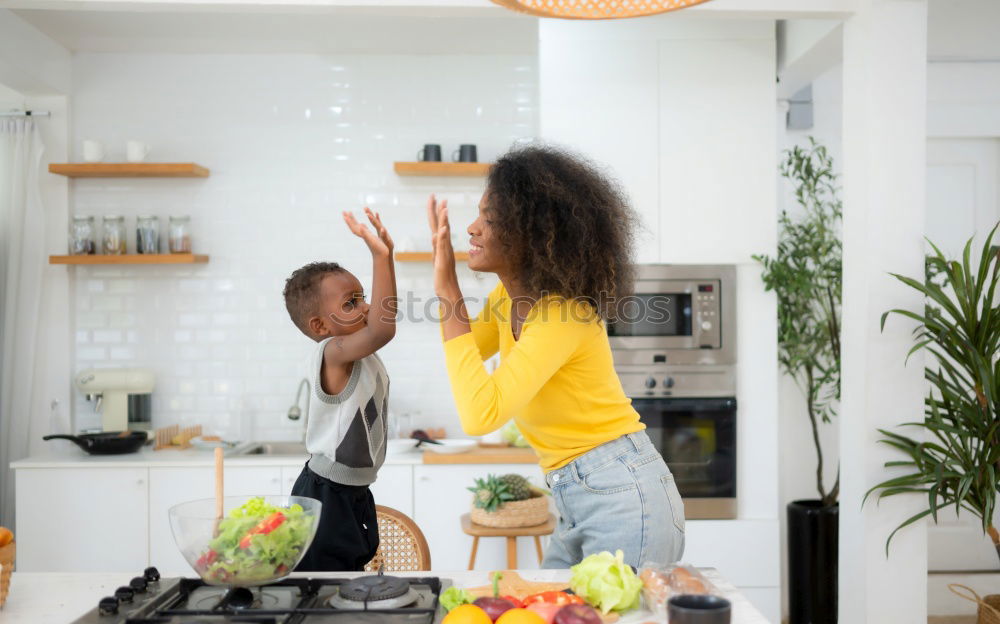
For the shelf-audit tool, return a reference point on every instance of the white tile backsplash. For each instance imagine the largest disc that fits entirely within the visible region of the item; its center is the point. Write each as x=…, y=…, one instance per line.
x=291, y=141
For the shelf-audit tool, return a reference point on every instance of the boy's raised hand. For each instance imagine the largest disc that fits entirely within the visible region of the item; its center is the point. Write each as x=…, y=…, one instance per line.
x=376, y=221
x=376, y=244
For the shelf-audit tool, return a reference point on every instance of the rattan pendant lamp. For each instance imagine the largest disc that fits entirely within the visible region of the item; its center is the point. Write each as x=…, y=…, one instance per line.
x=595, y=9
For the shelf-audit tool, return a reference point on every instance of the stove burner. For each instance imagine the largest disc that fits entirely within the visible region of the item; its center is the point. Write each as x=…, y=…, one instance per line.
x=372, y=588
x=337, y=601
x=237, y=598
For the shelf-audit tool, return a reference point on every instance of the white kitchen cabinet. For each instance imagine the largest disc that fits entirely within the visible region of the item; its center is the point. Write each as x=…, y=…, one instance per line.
x=394, y=488
x=170, y=486
x=82, y=520
x=440, y=499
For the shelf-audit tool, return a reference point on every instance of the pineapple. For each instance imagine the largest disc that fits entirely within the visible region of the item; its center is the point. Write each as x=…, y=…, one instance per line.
x=518, y=486
x=491, y=493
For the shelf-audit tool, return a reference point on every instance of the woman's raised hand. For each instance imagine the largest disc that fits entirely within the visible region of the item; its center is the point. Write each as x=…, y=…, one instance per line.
x=445, y=277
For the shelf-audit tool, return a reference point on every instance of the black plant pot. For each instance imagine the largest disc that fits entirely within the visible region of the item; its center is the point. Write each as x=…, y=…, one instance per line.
x=812, y=562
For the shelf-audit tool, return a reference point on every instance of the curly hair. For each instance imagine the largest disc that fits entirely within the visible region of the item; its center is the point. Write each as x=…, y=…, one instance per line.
x=302, y=291
x=566, y=226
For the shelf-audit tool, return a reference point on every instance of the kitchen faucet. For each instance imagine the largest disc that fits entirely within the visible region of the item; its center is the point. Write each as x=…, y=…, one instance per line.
x=294, y=412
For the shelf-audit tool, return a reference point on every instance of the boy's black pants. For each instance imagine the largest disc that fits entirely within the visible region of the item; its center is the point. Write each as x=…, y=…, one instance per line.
x=347, y=535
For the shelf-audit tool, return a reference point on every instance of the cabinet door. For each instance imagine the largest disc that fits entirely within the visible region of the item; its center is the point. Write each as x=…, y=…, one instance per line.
x=394, y=488
x=170, y=486
x=82, y=520
x=440, y=499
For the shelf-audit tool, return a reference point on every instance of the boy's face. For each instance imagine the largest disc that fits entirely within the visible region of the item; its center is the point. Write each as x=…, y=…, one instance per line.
x=342, y=306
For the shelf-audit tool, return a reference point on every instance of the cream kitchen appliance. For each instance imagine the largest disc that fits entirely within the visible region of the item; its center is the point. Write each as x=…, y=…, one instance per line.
x=123, y=396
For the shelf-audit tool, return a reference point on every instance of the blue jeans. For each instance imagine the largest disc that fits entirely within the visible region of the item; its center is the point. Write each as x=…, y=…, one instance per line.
x=619, y=495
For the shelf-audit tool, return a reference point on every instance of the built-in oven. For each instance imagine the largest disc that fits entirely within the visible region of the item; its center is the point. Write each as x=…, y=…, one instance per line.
x=674, y=347
x=697, y=438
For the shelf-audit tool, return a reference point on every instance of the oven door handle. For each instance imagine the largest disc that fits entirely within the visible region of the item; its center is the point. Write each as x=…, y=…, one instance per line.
x=685, y=404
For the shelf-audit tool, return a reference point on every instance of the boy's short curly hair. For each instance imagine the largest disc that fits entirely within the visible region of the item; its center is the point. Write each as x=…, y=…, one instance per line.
x=302, y=291
x=566, y=225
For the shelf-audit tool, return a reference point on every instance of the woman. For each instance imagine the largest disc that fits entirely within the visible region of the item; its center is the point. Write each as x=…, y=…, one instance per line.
x=558, y=234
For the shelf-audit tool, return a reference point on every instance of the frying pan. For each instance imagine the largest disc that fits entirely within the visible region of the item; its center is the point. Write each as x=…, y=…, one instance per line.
x=107, y=443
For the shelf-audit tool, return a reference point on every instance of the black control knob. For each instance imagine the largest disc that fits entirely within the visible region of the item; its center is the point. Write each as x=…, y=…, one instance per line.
x=668, y=382
x=650, y=382
x=138, y=585
x=124, y=594
x=151, y=574
x=108, y=605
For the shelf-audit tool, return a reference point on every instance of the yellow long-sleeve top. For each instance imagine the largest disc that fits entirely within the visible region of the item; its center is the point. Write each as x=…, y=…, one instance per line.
x=557, y=380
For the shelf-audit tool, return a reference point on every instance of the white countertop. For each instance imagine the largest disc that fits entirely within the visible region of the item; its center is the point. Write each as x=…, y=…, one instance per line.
x=69, y=455
x=59, y=598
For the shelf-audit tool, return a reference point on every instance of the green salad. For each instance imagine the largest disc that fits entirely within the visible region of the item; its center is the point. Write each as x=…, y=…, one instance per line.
x=255, y=542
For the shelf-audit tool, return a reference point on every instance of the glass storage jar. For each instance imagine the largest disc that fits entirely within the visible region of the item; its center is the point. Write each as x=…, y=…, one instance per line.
x=179, y=234
x=114, y=235
x=82, y=235
x=147, y=234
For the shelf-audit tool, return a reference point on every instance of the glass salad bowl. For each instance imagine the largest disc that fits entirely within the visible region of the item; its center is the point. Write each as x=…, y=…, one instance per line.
x=259, y=540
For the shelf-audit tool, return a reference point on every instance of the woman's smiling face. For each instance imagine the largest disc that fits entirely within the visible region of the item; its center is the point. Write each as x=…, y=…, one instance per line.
x=485, y=250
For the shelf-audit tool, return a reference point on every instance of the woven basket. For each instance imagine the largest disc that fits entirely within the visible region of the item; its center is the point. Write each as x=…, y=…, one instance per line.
x=989, y=606
x=7, y=565
x=514, y=514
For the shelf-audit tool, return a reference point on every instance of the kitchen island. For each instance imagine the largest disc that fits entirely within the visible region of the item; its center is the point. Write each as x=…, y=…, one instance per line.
x=134, y=492
x=60, y=598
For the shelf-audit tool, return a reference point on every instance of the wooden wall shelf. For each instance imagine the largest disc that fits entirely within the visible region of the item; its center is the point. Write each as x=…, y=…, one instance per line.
x=129, y=170
x=131, y=259
x=460, y=169
x=425, y=256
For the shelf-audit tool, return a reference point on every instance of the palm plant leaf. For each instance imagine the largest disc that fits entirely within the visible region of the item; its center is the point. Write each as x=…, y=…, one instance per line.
x=959, y=331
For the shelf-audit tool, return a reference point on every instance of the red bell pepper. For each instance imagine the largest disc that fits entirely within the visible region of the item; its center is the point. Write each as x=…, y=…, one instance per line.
x=553, y=597
x=264, y=527
x=207, y=559
x=516, y=602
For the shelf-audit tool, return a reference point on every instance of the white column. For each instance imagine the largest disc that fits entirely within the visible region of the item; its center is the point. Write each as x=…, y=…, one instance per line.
x=885, y=67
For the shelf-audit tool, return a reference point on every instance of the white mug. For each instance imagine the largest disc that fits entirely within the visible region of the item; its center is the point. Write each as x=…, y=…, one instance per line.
x=135, y=151
x=93, y=151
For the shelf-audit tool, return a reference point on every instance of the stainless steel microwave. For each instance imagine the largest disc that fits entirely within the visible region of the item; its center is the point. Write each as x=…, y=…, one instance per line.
x=678, y=314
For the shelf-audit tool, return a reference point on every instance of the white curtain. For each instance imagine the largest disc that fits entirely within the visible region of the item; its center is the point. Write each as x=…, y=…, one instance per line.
x=22, y=260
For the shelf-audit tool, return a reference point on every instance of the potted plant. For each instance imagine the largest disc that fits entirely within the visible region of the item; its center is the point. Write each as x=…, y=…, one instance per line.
x=959, y=329
x=805, y=274
x=508, y=501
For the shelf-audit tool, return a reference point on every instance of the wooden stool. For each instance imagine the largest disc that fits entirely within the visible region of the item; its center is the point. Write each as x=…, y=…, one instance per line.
x=477, y=530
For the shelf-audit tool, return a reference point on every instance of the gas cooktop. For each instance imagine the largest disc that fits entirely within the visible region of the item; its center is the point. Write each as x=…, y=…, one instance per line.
x=148, y=599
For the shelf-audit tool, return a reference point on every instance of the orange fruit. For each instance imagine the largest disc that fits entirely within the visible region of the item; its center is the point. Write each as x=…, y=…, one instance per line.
x=520, y=616
x=467, y=614
x=6, y=536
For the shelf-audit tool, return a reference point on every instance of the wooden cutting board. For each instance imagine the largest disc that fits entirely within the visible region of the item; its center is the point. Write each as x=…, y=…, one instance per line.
x=512, y=584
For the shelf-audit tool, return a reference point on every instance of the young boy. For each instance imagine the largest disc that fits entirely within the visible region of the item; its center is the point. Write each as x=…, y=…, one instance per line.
x=346, y=431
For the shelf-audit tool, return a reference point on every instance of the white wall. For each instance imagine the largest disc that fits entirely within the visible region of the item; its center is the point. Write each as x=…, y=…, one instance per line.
x=291, y=141
x=682, y=111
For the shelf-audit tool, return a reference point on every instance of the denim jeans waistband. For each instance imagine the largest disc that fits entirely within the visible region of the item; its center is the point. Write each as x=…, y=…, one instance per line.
x=598, y=457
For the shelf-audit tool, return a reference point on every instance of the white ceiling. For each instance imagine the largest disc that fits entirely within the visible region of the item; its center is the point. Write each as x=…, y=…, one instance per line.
x=962, y=30
x=400, y=31
x=957, y=29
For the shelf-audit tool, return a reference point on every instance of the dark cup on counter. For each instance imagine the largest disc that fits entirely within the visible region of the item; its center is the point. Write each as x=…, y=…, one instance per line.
x=430, y=153
x=465, y=153
x=698, y=609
